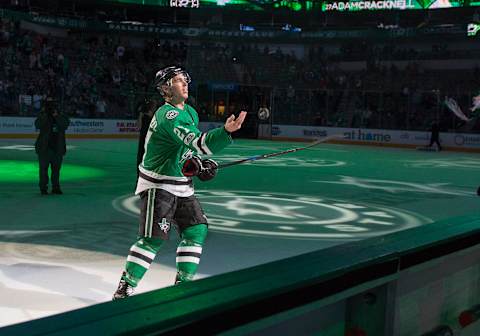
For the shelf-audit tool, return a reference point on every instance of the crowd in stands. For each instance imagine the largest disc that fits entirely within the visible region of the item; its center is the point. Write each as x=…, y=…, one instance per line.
x=108, y=76
x=89, y=76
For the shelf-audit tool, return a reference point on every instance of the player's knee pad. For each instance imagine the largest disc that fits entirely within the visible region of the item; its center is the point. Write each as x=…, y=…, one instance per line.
x=152, y=244
x=196, y=233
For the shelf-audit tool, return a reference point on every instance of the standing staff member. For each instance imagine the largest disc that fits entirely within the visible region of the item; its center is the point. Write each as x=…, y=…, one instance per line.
x=165, y=181
x=50, y=145
x=435, y=135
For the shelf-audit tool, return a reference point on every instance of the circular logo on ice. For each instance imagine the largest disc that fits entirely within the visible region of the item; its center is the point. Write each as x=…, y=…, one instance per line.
x=294, y=216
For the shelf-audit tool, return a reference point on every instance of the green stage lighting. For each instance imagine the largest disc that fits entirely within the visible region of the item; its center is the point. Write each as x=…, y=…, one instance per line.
x=27, y=171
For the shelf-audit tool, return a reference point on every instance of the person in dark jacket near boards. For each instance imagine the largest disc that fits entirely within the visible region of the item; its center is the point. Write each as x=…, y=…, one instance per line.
x=50, y=145
x=435, y=135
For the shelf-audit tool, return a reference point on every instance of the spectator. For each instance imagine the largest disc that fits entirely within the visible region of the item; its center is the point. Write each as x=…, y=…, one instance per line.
x=101, y=108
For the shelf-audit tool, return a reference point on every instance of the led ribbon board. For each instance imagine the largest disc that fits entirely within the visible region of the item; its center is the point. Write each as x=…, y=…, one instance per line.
x=256, y=5
x=357, y=5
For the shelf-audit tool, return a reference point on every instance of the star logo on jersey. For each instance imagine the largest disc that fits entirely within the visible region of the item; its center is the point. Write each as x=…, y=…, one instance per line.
x=171, y=114
x=293, y=216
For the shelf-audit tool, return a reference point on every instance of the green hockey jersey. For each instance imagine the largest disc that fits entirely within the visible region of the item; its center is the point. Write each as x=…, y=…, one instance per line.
x=172, y=138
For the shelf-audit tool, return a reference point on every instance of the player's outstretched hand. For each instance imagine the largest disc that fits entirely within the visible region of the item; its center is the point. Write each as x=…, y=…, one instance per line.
x=234, y=124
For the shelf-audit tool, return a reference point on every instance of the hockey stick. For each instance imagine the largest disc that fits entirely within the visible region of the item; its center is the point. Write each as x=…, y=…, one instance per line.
x=265, y=156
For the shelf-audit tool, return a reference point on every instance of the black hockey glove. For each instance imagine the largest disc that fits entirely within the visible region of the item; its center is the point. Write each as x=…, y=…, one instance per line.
x=209, y=170
x=192, y=166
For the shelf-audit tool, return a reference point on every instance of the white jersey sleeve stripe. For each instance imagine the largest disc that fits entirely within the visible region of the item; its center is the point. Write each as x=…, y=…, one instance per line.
x=204, y=145
x=195, y=145
x=199, y=144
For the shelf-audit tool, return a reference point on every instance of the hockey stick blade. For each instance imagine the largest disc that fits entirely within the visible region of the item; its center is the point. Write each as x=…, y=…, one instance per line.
x=265, y=156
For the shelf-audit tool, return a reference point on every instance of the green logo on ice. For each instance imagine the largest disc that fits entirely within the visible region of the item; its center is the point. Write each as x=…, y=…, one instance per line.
x=294, y=216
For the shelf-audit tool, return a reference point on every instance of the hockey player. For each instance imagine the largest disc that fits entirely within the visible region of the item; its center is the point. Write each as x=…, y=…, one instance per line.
x=165, y=183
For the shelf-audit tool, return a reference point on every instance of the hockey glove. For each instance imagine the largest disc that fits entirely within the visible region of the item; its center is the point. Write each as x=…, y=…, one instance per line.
x=208, y=171
x=192, y=166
